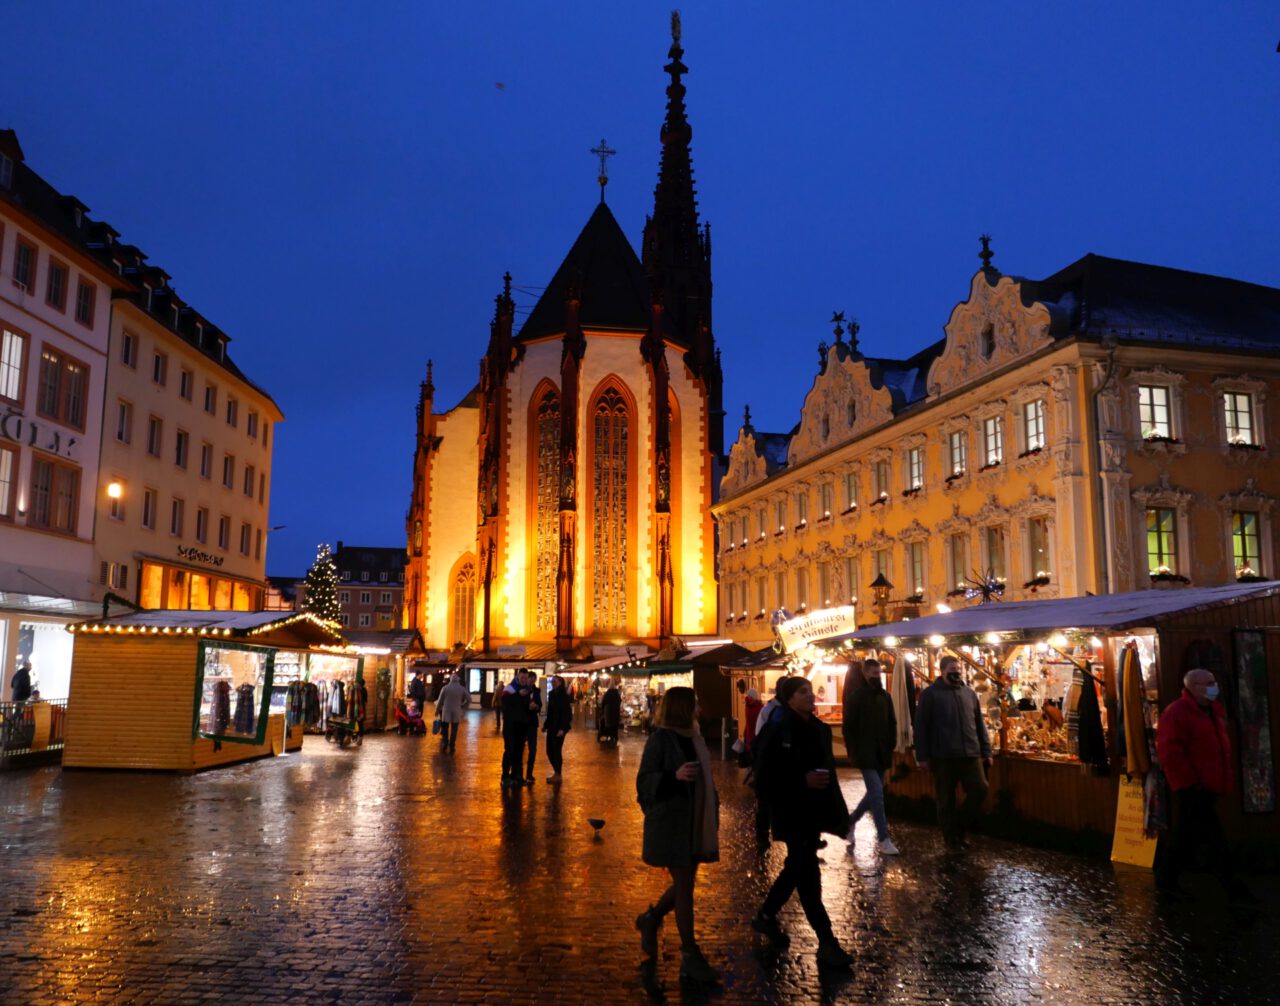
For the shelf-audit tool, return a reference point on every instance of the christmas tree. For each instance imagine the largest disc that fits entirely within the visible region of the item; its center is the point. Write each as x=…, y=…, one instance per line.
x=321, y=597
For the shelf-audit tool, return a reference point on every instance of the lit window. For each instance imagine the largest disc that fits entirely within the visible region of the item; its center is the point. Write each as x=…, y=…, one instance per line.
x=881, y=559
x=63, y=389
x=850, y=490
x=957, y=452
x=824, y=584
x=958, y=552
x=781, y=510
x=464, y=604
x=1040, y=555
x=915, y=468
x=8, y=481
x=1162, y=541
x=993, y=441
x=1238, y=407
x=780, y=589
x=826, y=499
x=994, y=536
x=1246, y=547
x=915, y=563
x=850, y=579
x=802, y=508
x=882, y=479
x=1033, y=424
x=1153, y=411
x=13, y=355
x=802, y=588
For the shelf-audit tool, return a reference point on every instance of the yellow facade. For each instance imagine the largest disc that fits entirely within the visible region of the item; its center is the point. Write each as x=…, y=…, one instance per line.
x=1020, y=445
x=186, y=447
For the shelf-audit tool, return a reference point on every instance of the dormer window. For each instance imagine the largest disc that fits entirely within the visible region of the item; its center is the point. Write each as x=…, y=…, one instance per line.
x=987, y=342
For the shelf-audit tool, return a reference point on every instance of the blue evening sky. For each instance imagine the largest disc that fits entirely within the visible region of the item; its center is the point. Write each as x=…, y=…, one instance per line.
x=341, y=187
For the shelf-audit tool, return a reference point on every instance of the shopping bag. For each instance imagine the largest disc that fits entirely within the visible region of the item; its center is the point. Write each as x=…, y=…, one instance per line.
x=436, y=726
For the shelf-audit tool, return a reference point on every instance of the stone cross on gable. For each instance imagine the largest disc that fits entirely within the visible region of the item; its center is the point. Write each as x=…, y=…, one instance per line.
x=604, y=152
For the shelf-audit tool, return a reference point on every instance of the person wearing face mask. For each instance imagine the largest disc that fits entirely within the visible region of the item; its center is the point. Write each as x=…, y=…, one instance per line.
x=1195, y=753
x=870, y=731
x=952, y=743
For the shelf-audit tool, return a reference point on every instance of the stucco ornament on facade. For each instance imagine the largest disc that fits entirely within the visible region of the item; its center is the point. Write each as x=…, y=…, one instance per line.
x=845, y=379
x=990, y=330
x=746, y=464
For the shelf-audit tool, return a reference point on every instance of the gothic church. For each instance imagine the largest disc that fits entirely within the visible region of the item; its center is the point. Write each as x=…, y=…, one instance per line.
x=592, y=440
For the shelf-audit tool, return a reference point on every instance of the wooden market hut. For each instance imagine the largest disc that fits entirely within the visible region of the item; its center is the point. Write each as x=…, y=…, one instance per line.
x=1232, y=630
x=153, y=689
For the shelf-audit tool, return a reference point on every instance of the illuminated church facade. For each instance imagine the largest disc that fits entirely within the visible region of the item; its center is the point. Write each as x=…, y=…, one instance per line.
x=565, y=501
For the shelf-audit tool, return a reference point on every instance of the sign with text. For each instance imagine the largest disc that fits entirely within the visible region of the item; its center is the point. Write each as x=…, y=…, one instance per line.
x=192, y=554
x=1131, y=844
x=816, y=625
x=18, y=428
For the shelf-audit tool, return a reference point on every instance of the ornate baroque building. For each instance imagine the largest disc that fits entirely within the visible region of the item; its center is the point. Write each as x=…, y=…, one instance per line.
x=1106, y=429
x=591, y=441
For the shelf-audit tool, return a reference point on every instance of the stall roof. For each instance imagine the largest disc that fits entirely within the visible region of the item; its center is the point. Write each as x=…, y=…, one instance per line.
x=399, y=641
x=273, y=628
x=754, y=659
x=717, y=656
x=1101, y=612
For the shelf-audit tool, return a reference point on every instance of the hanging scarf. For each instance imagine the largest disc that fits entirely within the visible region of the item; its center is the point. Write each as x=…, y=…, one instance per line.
x=706, y=802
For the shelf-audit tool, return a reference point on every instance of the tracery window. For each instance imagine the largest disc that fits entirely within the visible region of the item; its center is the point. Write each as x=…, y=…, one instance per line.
x=547, y=511
x=609, y=512
x=464, y=604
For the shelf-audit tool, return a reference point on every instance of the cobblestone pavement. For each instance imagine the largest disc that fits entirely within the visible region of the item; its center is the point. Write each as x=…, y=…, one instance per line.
x=397, y=874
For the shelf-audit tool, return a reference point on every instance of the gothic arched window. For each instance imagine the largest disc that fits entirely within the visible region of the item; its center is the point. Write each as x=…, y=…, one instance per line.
x=464, y=604
x=546, y=510
x=609, y=512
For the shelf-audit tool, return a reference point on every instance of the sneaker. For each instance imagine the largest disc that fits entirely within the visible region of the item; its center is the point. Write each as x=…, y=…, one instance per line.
x=694, y=968
x=767, y=925
x=648, y=922
x=832, y=955
x=887, y=848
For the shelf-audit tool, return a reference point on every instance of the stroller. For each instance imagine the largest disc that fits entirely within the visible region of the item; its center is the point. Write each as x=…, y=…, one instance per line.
x=409, y=720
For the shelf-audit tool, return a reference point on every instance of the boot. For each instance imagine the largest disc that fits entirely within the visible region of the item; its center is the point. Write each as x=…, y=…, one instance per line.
x=649, y=922
x=832, y=955
x=767, y=925
x=694, y=968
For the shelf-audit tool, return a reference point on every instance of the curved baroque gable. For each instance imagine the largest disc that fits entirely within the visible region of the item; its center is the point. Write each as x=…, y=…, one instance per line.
x=824, y=418
x=746, y=466
x=991, y=329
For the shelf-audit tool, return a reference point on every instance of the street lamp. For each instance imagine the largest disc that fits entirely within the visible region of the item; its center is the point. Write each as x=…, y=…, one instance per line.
x=880, y=588
x=115, y=490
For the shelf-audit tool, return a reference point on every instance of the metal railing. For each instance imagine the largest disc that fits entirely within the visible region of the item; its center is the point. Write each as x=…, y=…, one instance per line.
x=31, y=731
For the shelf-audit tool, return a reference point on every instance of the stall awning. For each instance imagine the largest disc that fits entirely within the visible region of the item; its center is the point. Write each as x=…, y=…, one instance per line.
x=270, y=628
x=754, y=660
x=669, y=667
x=1099, y=613
x=397, y=641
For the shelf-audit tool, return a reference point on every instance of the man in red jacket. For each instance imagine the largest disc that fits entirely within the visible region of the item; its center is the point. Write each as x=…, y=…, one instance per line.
x=1195, y=753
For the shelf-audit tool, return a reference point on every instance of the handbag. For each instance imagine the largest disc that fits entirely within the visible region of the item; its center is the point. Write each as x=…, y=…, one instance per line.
x=437, y=725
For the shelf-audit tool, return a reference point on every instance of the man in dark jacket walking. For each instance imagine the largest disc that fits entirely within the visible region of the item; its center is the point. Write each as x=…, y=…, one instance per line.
x=870, y=732
x=1195, y=753
x=558, y=723
x=952, y=742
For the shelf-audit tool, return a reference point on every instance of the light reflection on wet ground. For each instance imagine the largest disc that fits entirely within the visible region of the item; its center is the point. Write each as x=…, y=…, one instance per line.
x=396, y=874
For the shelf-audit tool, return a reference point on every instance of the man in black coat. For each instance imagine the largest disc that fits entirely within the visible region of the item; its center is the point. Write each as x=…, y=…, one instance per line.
x=952, y=742
x=21, y=683
x=870, y=732
x=515, y=728
x=418, y=692
x=558, y=723
x=531, y=731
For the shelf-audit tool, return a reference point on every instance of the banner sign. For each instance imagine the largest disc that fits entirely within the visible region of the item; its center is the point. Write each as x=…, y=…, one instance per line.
x=816, y=625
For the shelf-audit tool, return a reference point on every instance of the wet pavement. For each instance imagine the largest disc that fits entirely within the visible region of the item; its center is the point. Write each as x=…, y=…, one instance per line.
x=396, y=874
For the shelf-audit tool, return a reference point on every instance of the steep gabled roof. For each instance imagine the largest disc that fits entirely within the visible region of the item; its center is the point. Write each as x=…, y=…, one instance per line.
x=1154, y=303
x=605, y=270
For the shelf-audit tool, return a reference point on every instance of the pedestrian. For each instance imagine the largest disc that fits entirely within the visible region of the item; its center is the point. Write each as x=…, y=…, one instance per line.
x=557, y=725
x=535, y=719
x=20, y=684
x=767, y=712
x=870, y=731
x=796, y=779
x=610, y=713
x=751, y=713
x=952, y=743
x=450, y=704
x=1195, y=754
x=681, y=808
x=495, y=700
x=418, y=691
x=515, y=728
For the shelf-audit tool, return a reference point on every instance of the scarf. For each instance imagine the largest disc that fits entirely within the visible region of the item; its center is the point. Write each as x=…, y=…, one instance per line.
x=706, y=802
x=901, y=701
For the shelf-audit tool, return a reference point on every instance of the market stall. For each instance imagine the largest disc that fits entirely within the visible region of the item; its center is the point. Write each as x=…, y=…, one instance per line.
x=387, y=655
x=1071, y=690
x=183, y=690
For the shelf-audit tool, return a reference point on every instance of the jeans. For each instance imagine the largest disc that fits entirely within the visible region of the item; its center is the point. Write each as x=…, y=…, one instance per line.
x=533, y=747
x=872, y=801
x=555, y=752
x=800, y=874
x=514, y=736
x=967, y=772
x=448, y=735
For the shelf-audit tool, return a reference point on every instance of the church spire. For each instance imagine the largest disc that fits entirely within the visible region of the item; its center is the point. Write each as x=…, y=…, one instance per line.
x=677, y=251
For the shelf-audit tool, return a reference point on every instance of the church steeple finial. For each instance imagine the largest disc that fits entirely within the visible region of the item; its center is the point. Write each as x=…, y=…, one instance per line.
x=429, y=386
x=604, y=152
